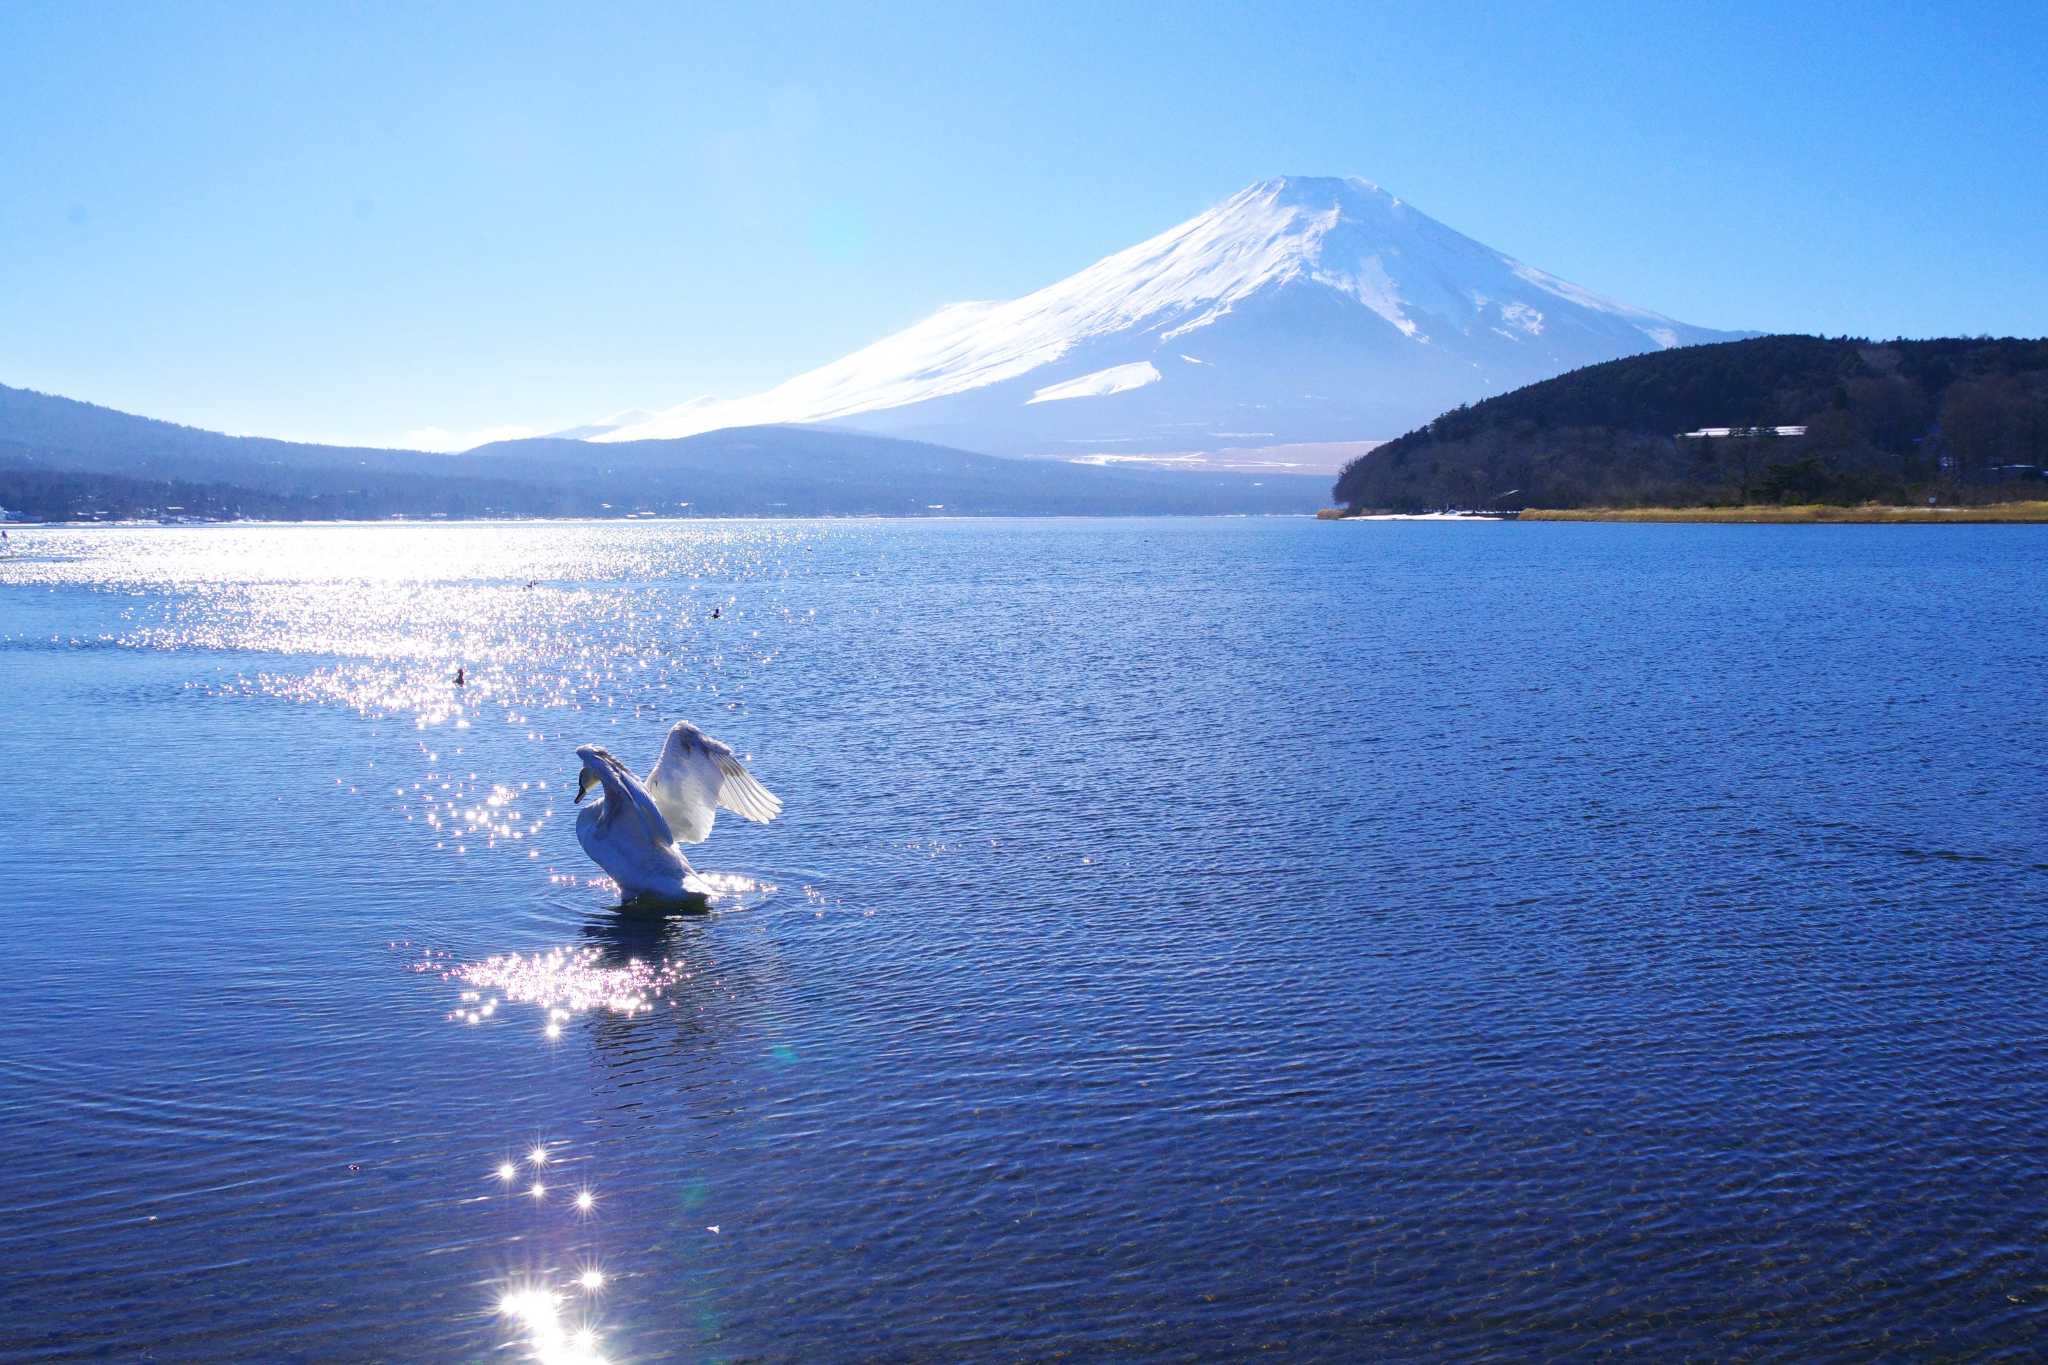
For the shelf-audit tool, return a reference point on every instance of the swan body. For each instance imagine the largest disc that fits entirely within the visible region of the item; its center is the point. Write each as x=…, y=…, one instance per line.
x=627, y=835
x=696, y=775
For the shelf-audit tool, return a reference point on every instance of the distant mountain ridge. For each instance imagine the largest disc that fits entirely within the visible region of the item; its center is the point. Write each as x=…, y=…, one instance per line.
x=60, y=458
x=1302, y=309
x=111, y=441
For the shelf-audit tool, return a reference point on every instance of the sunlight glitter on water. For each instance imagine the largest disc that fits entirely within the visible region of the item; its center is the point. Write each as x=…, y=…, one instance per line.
x=392, y=625
x=566, y=634
x=551, y=1337
x=563, y=982
x=553, y=1310
x=545, y=665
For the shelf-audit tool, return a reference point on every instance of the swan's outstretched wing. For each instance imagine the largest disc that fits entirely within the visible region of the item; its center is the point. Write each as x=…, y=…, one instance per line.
x=730, y=784
x=696, y=774
x=739, y=791
x=624, y=798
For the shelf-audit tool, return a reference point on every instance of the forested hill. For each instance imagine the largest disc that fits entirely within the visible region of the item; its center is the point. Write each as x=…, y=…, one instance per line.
x=1959, y=419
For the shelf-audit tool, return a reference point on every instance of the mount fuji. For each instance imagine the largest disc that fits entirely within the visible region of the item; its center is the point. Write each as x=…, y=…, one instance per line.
x=1300, y=310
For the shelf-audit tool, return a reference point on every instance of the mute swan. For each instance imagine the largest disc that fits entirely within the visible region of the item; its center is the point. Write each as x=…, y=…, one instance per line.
x=626, y=835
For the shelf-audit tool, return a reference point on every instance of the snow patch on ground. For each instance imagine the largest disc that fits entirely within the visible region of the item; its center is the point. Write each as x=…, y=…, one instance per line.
x=1159, y=461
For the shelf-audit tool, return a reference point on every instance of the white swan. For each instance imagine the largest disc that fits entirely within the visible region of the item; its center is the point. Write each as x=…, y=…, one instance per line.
x=626, y=835
x=695, y=775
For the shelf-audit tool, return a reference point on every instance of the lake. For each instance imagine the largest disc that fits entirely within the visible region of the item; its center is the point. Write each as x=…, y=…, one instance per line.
x=1184, y=938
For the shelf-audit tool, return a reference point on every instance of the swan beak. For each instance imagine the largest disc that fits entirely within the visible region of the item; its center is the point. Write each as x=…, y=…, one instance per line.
x=585, y=780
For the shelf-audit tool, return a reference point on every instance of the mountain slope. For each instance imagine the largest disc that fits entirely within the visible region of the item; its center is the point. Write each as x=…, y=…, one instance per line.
x=813, y=470
x=1301, y=309
x=60, y=457
x=70, y=434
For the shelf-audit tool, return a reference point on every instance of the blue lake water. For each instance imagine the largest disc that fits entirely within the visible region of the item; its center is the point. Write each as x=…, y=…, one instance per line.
x=1185, y=939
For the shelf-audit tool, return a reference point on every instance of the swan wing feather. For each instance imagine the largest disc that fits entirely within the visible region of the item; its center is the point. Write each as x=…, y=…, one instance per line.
x=741, y=792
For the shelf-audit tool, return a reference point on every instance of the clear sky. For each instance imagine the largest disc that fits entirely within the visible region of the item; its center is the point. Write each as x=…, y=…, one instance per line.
x=357, y=221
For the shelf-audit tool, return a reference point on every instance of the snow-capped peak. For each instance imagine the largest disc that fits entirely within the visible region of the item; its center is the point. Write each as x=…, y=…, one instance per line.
x=1299, y=250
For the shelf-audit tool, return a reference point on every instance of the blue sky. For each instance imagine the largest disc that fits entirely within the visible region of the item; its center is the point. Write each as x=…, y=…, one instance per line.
x=358, y=221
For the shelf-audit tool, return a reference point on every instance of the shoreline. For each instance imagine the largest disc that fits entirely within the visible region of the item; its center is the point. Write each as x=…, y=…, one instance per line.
x=1803, y=514
x=1806, y=514
x=149, y=523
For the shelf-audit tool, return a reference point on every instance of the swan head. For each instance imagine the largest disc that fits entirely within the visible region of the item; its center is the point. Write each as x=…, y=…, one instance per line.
x=591, y=754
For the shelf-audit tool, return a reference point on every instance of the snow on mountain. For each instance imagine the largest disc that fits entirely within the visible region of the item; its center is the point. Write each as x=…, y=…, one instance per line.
x=1101, y=384
x=1299, y=310
x=606, y=425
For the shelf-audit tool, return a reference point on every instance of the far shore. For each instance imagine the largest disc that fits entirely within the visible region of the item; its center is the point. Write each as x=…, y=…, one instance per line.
x=1802, y=514
x=1770, y=514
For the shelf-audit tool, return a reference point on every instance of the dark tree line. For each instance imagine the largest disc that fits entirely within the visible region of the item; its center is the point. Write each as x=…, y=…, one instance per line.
x=67, y=495
x=1961, y=420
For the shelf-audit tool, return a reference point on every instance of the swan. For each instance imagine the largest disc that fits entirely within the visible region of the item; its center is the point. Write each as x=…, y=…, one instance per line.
x=627, y=836
x=697, y=774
